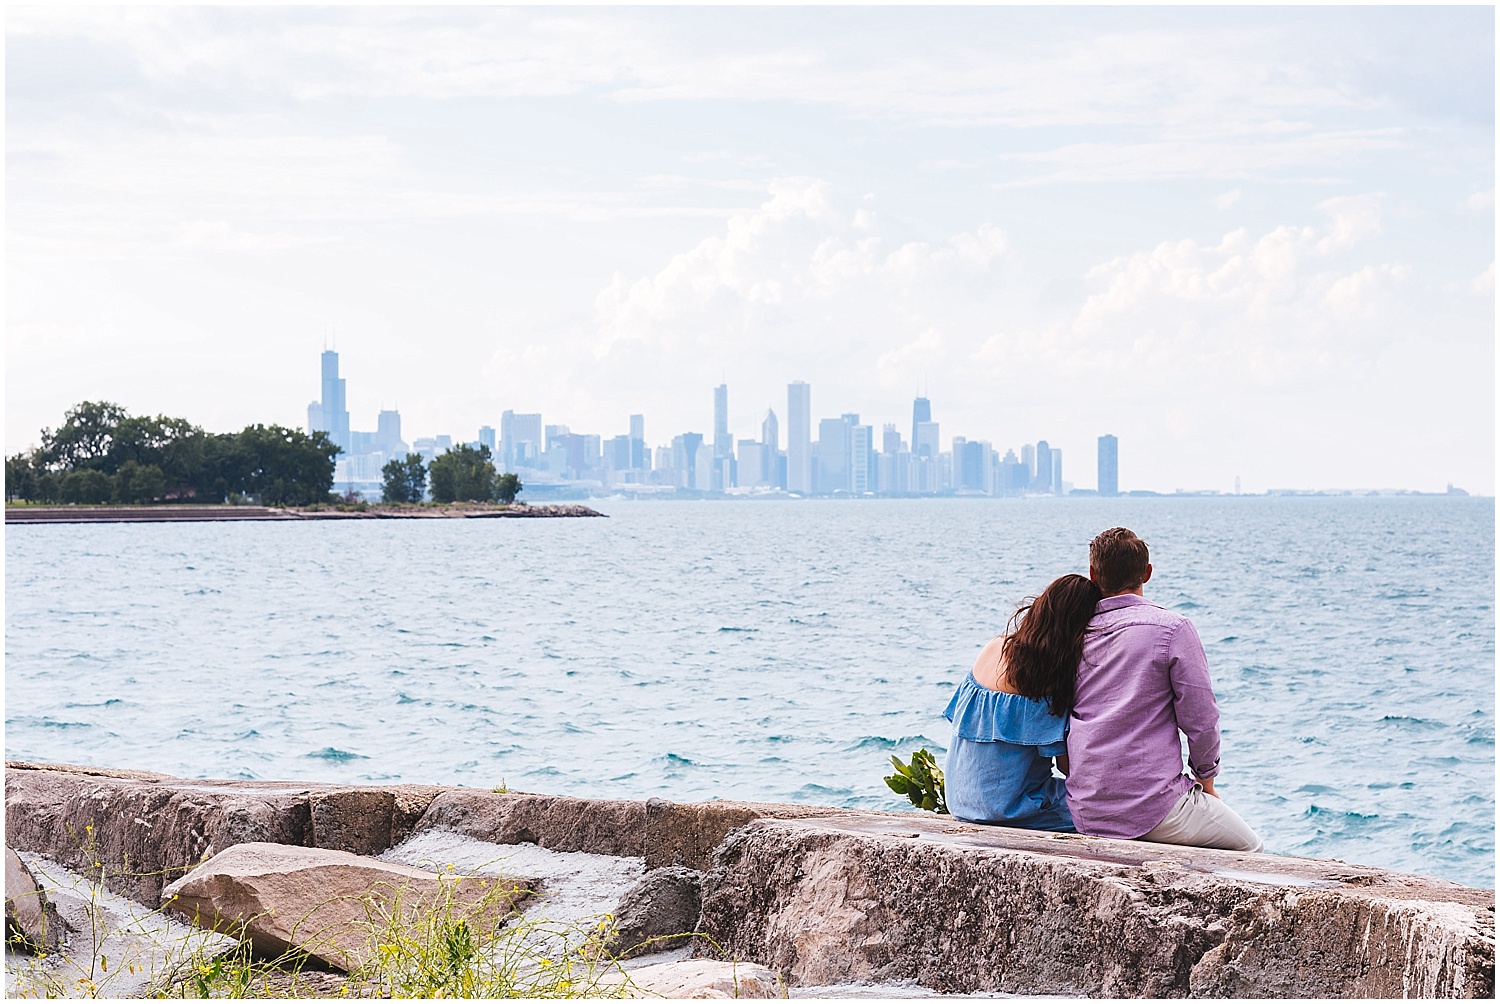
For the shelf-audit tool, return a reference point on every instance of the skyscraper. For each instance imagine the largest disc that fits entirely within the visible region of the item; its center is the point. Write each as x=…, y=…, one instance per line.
x=1042, y=480
x=799, y=437
x=388, y=433
x=927, y=444
x=1109, y=466
x=329, y=413
x=520, y=440
x=723, y=443
x=1057, y=481
x=638, y=442
x=831, y=463
x=861, y=441
x=487, y=438
x=921, y=412
x=770, y=444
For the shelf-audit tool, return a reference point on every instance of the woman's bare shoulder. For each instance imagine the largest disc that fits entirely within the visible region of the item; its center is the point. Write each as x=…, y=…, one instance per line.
x=989, y=666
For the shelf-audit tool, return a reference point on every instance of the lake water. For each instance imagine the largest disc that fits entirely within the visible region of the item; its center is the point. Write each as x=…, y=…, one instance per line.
x=763, y=650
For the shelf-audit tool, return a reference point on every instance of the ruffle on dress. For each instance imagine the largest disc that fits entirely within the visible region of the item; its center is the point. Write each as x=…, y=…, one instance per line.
x=983, y=715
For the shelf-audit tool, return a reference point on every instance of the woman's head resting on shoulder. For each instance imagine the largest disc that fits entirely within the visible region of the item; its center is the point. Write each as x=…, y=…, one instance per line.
x=1045, y=641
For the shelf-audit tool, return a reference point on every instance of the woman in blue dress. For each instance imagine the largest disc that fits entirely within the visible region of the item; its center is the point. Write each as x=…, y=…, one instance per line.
x=1010, y=714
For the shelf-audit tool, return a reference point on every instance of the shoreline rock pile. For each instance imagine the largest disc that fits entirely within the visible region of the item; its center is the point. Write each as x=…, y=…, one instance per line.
x=824, y=897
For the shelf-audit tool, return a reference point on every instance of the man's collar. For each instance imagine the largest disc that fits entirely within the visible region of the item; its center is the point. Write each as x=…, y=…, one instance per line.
x=1122, y=600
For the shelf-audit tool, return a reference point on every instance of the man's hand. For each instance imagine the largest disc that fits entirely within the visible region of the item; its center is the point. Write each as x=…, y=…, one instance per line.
x=1208, y=786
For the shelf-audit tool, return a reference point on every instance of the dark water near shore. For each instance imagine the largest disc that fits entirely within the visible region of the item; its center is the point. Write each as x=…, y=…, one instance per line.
x=764, y=650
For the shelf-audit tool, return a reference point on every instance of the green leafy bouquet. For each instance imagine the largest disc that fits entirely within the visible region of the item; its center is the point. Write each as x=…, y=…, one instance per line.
x=921, y=781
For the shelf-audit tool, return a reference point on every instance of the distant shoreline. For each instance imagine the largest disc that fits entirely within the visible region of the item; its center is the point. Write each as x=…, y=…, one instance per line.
x=246, y=513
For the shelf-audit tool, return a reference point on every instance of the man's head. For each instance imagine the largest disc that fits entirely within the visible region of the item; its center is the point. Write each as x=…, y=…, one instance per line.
x=1119, y=562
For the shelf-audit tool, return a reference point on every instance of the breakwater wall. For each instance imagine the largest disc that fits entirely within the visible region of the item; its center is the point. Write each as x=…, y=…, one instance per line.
x=829, y=896
x=250, y=513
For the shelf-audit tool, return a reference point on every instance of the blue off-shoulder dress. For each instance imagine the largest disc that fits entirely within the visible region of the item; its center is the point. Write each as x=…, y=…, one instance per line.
x=999, y=767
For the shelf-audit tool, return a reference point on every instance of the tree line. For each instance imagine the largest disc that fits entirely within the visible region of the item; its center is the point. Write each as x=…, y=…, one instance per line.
x=463, y=474
x=101, y=454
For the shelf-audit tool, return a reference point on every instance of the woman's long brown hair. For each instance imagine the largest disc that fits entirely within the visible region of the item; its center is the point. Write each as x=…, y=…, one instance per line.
x=1045, y=641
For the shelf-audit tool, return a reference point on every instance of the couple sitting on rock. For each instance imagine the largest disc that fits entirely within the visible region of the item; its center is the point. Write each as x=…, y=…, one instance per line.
x=1094, y=677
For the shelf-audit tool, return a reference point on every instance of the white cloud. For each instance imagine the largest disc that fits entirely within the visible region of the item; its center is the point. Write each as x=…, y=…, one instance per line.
x=1481, y=201
x=791, y=261
x=1280, y=308
x=1229, y=199
x=1484, y=282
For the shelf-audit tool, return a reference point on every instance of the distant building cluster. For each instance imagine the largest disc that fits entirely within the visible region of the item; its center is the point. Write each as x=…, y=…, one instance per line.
x=835, y=457
x=364, y=453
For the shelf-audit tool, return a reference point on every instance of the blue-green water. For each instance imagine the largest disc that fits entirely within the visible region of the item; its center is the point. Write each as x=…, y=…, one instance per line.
x=764, y=650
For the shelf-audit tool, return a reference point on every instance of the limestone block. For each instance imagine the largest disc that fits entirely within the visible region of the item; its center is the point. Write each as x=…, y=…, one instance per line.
x=29, y=916
x=320, y=901
x=146, y=829
x=665, y=902
x=697, y=979
x=600, y=826
x=366, y=820
x=967, y=909
x=686, y=833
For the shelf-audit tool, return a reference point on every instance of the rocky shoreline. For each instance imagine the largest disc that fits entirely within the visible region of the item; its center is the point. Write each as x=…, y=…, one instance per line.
x=829, y=897
x=236, y=513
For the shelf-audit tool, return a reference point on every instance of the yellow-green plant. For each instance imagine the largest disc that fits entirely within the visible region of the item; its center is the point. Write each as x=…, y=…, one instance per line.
x=921, y=781
x=453, y=944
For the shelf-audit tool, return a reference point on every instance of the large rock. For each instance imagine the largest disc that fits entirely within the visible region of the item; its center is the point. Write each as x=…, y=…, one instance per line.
x=29, y=917
x=950, y=906
x=599, y=826
x=367, y=820
x=968, y=909
x=659, y=912
x=147, y=829
x=323, y=902
x=687, y=833
x=704, y=979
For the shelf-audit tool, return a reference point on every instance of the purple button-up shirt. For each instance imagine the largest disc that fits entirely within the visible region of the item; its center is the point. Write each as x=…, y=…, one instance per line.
x=1144, y=677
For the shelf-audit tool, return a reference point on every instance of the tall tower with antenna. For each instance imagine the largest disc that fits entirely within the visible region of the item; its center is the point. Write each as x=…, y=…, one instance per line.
x=330, y=414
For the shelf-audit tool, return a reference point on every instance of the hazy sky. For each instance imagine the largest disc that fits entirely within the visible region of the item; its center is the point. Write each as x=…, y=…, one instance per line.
x=1249, y=242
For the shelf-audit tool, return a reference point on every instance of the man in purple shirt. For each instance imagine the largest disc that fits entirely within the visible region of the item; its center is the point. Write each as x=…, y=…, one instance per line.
x=1144, y=679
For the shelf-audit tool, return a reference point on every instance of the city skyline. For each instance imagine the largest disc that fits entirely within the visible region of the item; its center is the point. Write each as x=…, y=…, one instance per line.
x=1252, y=243
x=845, y=458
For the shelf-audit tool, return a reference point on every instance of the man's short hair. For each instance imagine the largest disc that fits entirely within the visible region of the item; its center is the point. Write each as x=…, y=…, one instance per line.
x=1118, y=560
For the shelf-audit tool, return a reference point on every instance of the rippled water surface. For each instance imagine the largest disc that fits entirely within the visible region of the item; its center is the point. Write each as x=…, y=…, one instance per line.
x=765, y=650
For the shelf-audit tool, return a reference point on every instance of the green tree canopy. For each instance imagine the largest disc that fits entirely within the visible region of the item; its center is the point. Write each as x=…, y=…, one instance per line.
x=85, y=438
x=144, y=459
x=287, y=466
x=405, y=480
x=507, y=487
x=463, y=474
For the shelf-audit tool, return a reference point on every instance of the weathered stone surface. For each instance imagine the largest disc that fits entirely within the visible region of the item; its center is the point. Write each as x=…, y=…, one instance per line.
x=29, y=916
x=319, y=901
x=665, y=902
x=953, y=907
x=967, y=909
x=367, y=820
x=146, y=829
x=601, y=826
x=698, y=979
x=686, y=833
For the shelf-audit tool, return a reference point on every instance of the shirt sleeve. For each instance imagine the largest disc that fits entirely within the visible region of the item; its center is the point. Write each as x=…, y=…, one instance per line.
x=1193, y=699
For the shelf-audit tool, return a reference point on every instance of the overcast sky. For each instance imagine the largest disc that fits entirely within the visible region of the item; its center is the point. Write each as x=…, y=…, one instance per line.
x=1249, y=242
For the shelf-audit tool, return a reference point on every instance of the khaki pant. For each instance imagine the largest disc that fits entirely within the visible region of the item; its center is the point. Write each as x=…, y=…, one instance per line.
x=1201, y=820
